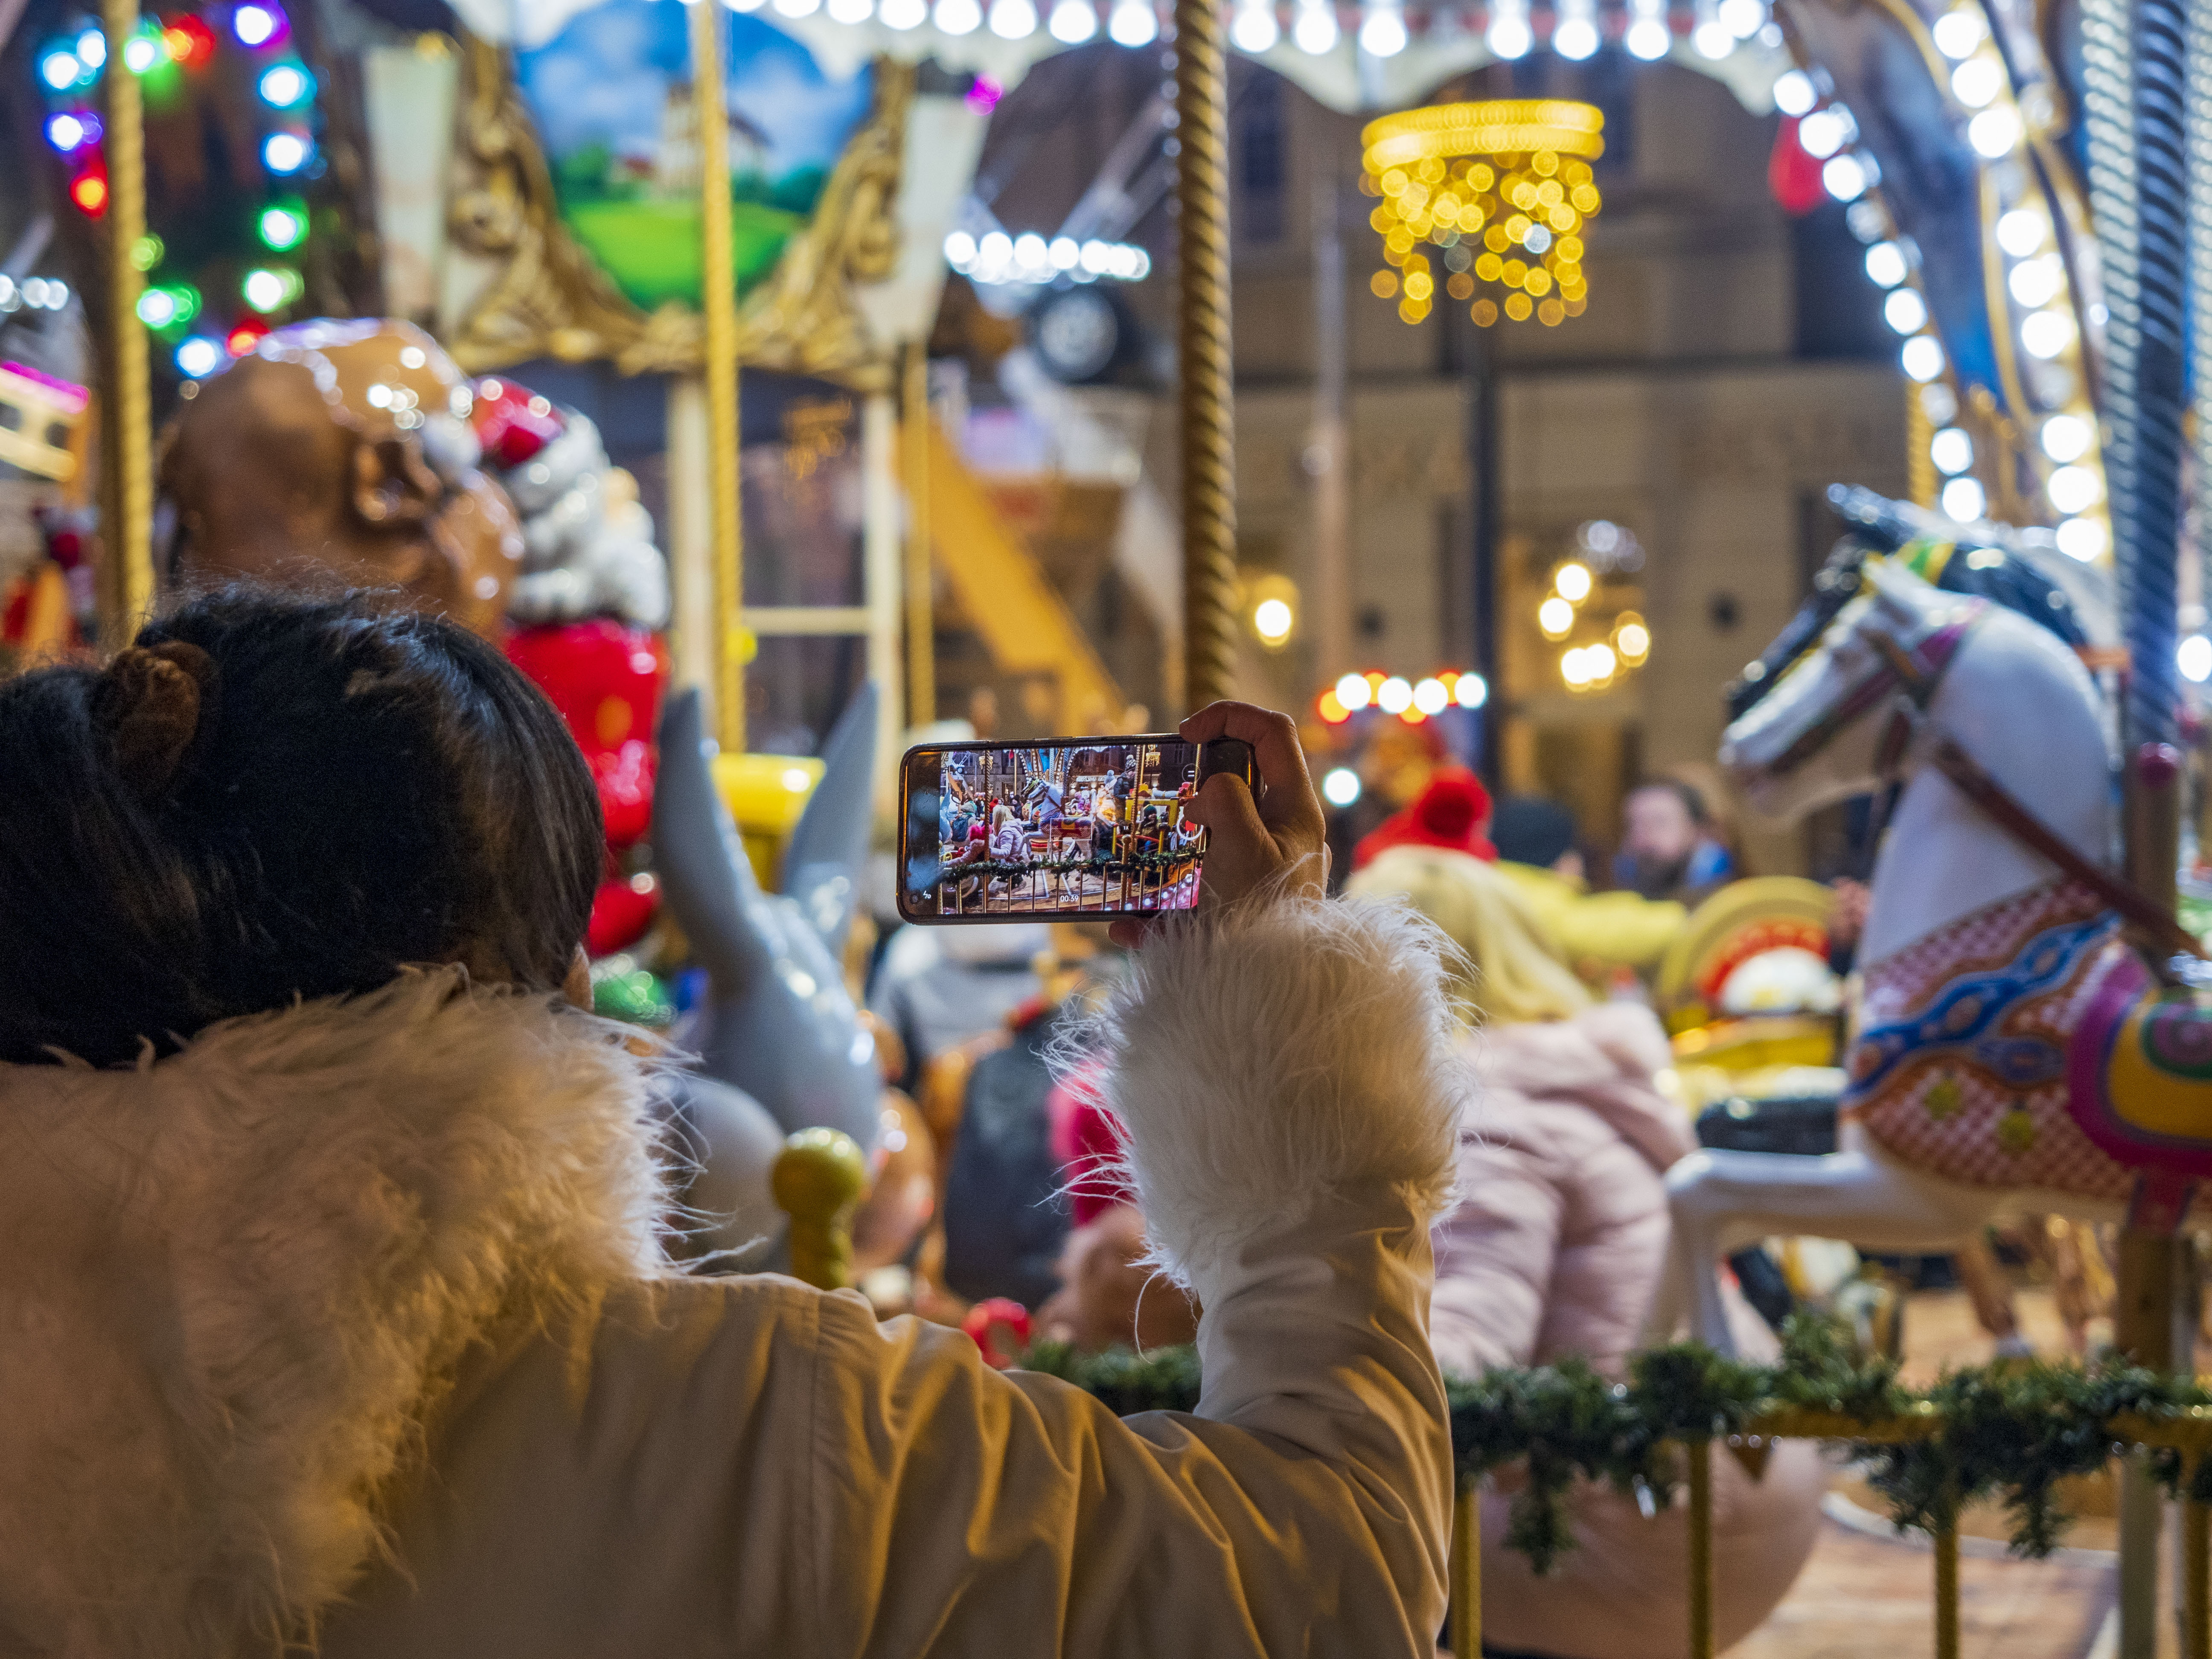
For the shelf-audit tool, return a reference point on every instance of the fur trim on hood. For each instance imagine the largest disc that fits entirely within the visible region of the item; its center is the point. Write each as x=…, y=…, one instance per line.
x=233, y=1282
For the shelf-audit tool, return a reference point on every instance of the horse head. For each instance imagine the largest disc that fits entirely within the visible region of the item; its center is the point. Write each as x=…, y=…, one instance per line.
x=1899, y=549
x=778, y=1023
x=1831, y=724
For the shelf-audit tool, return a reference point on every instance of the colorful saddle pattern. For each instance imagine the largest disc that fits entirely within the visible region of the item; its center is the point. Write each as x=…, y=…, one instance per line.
x=2142, y=1074
x=1959, y=1065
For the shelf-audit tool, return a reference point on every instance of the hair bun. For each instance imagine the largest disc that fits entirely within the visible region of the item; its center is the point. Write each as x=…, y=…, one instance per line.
x=148, y=705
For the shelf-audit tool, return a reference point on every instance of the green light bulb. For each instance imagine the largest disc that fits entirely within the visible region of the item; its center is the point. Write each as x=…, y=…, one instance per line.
x=263, y=289
x=283, y=228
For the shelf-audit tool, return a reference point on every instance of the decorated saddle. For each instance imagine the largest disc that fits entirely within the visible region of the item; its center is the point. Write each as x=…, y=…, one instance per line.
x=2026, y=1045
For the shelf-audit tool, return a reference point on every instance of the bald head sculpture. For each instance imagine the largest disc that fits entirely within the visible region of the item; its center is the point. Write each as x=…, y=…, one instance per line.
x=341, y=450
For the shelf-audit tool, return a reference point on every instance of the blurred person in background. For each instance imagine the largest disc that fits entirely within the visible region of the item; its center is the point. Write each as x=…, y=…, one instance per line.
x=1672, y=845
x=1600, y=934
x=939, y=987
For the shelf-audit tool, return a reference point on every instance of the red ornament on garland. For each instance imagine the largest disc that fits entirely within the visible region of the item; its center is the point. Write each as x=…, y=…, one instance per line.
x=1001, y=1329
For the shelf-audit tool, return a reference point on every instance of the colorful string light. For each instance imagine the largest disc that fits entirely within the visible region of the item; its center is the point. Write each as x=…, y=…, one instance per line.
x=1502, y=188
x=157, y=51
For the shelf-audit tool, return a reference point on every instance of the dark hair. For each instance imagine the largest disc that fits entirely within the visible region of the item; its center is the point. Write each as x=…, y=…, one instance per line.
x=366, y=788
x=1692, y=797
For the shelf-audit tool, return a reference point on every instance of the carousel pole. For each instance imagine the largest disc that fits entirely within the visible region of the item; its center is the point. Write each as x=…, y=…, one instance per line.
x=2198, y=115
x=1331, y=437
x=1922, y=482
x=1209, y=477
x=2149, y=556
x=2134, y=82
x=2108, y=114
x=718, y=296
x=920, y=601
x=882, y=565
x=1487, y=509
x=127, y=587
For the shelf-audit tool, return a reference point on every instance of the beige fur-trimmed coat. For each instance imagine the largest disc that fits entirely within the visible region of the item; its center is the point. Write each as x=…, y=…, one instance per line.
x=347, y=1326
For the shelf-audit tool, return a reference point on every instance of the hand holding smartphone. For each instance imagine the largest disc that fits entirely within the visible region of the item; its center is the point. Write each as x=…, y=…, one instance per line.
x=1096, y=828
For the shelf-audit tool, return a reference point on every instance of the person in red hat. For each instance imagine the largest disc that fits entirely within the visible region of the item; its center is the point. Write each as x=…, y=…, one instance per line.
x=1452, y=812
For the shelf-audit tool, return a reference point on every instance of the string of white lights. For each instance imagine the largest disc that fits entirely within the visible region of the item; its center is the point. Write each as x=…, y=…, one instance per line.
x=1510, y=29
x=997, y=257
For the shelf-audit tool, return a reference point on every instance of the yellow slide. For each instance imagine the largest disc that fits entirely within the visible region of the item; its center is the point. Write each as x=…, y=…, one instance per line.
x=1024, y=623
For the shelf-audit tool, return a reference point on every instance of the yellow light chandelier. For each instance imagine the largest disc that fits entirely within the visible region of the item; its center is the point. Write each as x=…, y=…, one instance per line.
x=1500, y=190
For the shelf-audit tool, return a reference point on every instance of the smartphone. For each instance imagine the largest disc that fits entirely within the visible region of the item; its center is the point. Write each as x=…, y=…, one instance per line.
x=1063, y=829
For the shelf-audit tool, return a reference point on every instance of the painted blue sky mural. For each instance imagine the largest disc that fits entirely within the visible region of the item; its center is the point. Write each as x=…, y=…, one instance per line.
x=605, y=80
x=610, y=95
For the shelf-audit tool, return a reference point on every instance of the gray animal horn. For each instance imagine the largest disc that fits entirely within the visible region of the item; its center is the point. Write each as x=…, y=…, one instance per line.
x=700, y=860
x=828, y=853
x=777, y=1022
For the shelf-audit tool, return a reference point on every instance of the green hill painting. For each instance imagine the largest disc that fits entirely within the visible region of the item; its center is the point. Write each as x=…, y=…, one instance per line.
x=611, y=96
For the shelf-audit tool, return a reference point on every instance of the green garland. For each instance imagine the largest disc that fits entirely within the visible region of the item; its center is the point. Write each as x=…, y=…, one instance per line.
x=1165, y=1380
x=2012, y=1430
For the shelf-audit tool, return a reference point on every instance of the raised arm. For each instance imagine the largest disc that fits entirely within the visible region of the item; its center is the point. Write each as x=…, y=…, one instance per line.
x=1289, y=1088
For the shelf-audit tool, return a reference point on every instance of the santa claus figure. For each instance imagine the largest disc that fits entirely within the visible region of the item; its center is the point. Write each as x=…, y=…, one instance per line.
x=588, y=546
x=592, y=592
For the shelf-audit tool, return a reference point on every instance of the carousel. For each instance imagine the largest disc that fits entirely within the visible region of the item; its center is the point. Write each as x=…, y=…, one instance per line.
x=625, y=332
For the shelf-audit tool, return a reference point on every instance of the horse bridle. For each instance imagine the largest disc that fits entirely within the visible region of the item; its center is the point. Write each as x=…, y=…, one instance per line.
x=1919, y=681
x=2000, y=805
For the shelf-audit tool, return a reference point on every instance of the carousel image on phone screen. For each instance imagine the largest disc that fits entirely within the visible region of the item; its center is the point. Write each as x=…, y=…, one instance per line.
x=1092, y=827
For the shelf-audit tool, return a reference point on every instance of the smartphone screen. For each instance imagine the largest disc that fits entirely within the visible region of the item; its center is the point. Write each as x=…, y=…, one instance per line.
x=1069, y=827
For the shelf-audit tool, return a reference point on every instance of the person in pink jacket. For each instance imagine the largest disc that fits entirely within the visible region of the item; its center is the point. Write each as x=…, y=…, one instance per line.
x=1554, y=1250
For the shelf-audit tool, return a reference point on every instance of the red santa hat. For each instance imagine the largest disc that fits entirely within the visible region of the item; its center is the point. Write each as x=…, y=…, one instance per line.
x=1451, y=812
x=513, y=423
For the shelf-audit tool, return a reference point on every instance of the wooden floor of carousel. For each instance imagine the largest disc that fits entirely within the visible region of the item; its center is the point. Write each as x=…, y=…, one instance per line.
x=1866, y=1592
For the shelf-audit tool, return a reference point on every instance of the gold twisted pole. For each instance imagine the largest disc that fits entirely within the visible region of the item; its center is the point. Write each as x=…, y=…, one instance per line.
x=1700, y=1456
x=1921, y=482
x=718, y=299
x=920, y=601
x=1209, y=476
x=1467, y=1569
x=1947, y=1588
x=129, y=534
x=2196, y=1575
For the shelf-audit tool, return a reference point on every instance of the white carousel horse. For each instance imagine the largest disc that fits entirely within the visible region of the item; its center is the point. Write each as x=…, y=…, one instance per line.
x=2001, y=1019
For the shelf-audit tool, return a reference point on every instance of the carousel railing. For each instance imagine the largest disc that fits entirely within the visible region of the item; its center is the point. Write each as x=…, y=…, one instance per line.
x=2013, y=1430
x=2187, y=1433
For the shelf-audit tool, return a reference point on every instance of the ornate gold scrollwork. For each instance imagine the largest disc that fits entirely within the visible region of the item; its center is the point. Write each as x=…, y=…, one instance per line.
x=550, y=298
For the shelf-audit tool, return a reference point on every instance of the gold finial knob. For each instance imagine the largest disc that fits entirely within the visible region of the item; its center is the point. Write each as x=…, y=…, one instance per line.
x=817, y=1180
